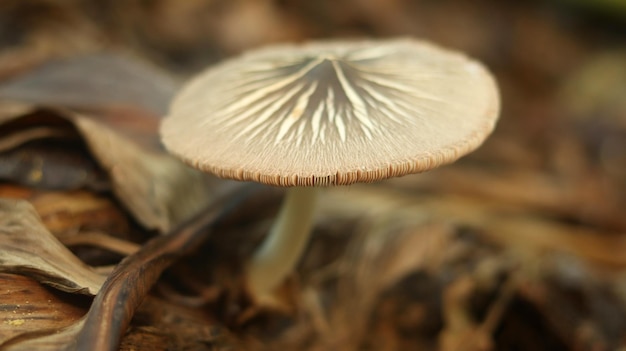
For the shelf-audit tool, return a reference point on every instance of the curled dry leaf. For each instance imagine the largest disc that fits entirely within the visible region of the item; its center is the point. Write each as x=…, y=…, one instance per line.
x=111, y=312
x=28, y=248
x=126, y=94
x=46, y=164
x=121, y=99
x=159, y=191
x=44, y=151
x=167, y=326
x=112, y=80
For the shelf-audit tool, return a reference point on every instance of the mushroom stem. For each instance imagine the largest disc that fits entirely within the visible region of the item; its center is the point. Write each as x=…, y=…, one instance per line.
x=281, y=250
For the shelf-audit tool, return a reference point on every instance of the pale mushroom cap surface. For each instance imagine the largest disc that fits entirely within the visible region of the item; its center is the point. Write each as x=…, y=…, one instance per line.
x=333, y=112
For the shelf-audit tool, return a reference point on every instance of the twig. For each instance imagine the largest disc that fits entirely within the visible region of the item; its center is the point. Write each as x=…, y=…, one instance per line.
x=122, y=293
x=101, y=240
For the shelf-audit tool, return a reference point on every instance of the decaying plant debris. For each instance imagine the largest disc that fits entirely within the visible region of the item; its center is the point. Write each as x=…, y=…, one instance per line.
x=107, y=242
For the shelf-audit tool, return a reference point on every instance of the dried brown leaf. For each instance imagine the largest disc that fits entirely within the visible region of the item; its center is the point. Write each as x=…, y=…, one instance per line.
x=49, y=340
x=44, y=151
x=20, y=138
x=70, y=213
x=28, y=307
x=157, y=189
x=48, y=165
x=97, y=81
x=111, y=312
x=103, y=241
x=125, y=93
x=163, y=327
x=28, y=248
x=122, y=98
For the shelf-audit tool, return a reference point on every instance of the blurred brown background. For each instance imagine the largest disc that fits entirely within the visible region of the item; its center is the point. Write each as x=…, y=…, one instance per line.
x=519, y=246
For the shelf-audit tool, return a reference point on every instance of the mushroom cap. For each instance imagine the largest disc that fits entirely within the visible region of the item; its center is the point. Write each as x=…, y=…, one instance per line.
x=332, y=112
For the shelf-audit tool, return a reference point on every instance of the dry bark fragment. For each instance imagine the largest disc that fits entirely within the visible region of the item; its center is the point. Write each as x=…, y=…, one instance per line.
x=26, y=306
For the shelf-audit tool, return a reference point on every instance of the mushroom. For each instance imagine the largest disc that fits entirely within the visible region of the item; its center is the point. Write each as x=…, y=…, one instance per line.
x=328, y=113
